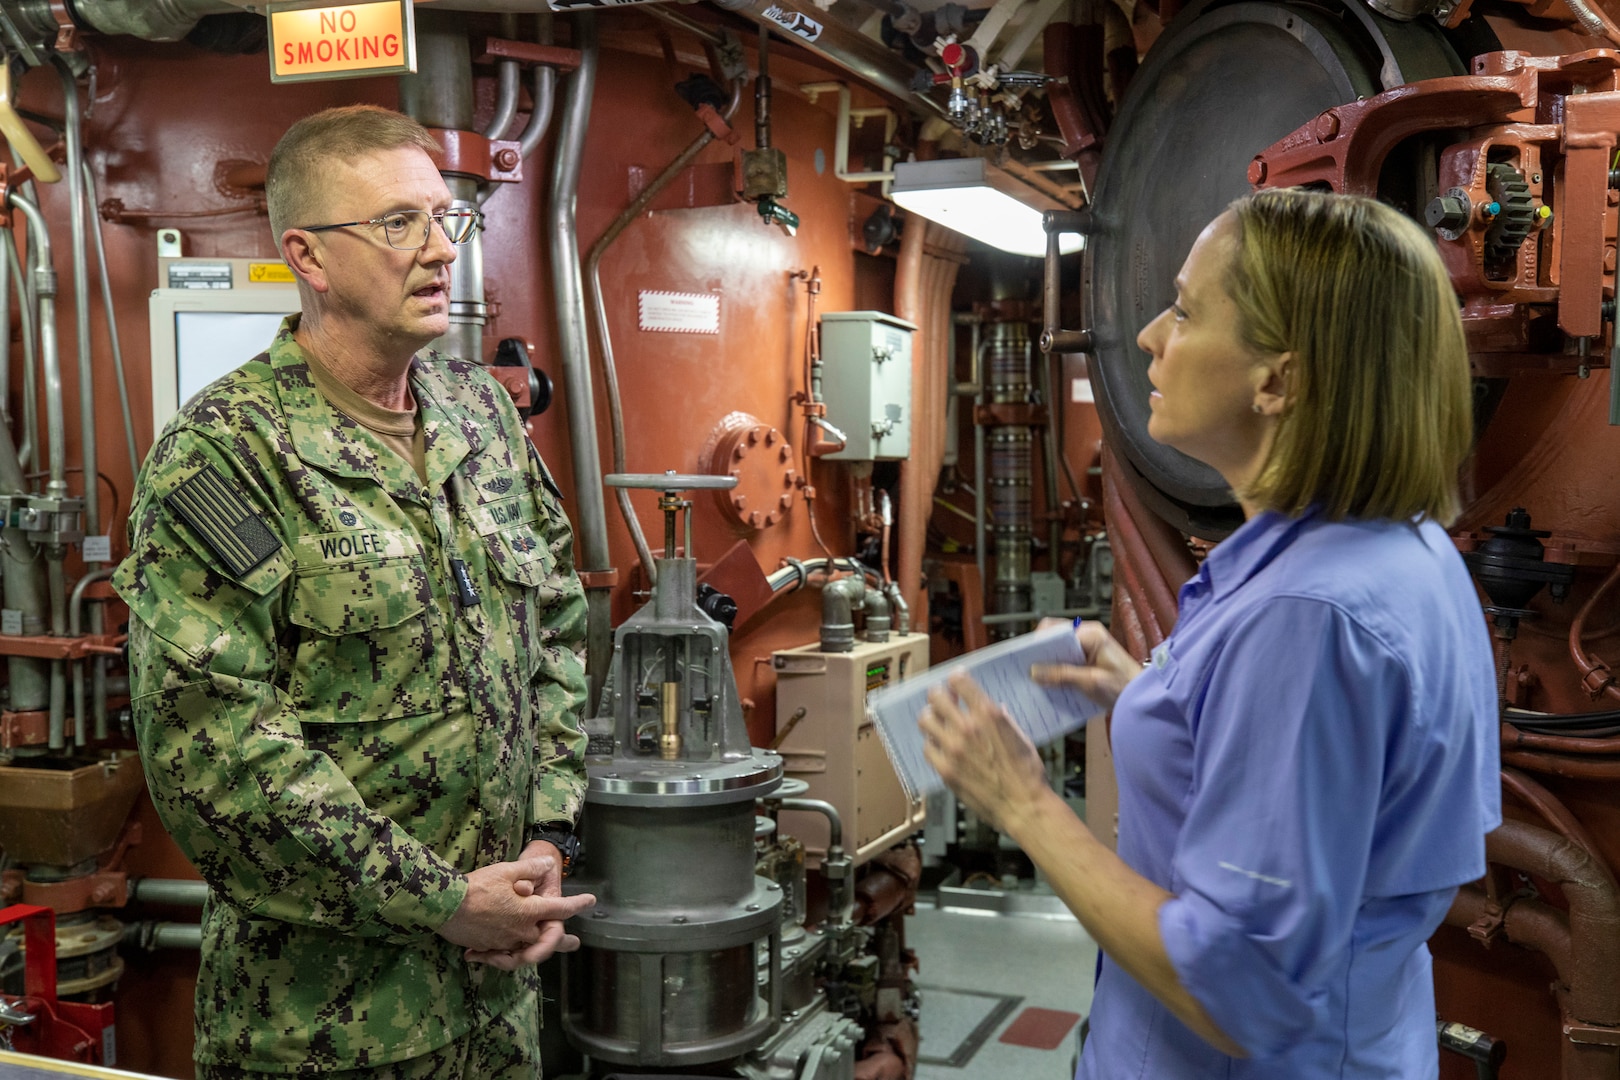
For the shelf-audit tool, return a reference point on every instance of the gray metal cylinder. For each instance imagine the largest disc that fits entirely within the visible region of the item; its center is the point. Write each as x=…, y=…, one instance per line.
x=469, y=313
x=665, y=975
x=1010, y=480
x=177, y=891
x=440, y=95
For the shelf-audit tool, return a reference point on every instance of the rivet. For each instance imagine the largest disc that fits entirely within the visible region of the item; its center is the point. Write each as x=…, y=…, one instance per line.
x=680, y=918
x=599, y=914
x=753, y=907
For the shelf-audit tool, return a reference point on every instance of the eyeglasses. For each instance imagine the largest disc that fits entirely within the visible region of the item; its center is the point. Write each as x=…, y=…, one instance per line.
x=409, y=230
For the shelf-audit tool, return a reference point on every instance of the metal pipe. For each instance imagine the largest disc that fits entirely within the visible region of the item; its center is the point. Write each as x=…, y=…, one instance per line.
x=604, y=335
x=980, y=469
x=762, y=91
x=506, y=93
x=544, y=92
x=1584, y=947
x=176, y=891
x=835, y=824
x=440, y=95
x=5, y=327
x=851, y=50
x=841, y=128
x=112, y=318
x=163, y=935
x=590, y=520
x=77, y=169
x=836, y=865
x=25, y=314
x=76, y=667
x=44, y=275
x=839, y=601
x=707, y=34
x=1545, y=803
x=81, y=300
x=21, y=586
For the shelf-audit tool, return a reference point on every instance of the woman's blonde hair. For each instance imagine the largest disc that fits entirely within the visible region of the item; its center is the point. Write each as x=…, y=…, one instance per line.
x=1379, y=406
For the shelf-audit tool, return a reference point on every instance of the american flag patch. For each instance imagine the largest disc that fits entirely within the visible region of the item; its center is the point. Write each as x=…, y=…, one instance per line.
x=224, y=520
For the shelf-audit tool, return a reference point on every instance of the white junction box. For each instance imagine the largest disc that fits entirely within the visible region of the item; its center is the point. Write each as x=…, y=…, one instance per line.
x=866, y=383
x=835, y=748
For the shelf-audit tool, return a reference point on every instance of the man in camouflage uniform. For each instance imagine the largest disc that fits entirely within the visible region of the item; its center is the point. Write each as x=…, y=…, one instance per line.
x=354, y=616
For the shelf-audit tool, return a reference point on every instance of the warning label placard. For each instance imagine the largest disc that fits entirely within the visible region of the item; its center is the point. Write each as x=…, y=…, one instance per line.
x=342, y=41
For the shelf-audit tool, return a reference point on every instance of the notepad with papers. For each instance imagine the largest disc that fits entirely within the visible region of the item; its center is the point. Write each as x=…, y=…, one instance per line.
x=1045, y=713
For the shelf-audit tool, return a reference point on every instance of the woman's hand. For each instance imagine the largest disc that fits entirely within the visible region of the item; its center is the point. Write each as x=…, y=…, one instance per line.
x=981, y=754
x=1104, y=675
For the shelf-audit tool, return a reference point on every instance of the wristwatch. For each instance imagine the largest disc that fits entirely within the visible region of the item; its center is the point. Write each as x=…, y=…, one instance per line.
x=560, y=835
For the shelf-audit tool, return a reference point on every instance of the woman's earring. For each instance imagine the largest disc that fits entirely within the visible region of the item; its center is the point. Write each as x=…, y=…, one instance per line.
x=1255, y=406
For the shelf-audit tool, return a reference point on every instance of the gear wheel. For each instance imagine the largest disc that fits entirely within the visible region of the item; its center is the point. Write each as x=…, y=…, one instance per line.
x=1508, y=189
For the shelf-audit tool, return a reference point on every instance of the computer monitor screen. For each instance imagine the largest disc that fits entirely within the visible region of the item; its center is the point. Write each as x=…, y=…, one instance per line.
x=209, y=344
x=200, y=334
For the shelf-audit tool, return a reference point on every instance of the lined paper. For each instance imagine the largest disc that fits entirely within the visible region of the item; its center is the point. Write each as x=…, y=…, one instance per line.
x=1045, y=713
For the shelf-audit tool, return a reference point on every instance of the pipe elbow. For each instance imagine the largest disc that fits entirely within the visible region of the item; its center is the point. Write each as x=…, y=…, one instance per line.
x=877, y=617
x=839, y=601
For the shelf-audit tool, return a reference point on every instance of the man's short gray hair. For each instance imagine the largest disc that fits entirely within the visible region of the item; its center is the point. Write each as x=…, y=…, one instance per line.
x=294, y=181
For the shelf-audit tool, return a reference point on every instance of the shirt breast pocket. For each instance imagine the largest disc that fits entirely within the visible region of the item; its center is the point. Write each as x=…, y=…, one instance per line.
x=365, y=648
x=520, y=563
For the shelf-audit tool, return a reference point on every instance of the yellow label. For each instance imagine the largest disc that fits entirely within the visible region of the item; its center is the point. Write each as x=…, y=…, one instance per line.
x=280, y=272
x=347, y=39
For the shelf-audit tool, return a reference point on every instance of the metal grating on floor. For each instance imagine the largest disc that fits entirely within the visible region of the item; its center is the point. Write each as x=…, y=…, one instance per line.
x=955, y=1023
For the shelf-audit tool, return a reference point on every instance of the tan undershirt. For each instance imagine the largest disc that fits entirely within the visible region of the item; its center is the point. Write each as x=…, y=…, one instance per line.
x=400, y=431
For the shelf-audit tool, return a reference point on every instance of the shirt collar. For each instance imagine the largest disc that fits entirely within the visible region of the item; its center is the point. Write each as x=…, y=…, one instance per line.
x=321, y=436
x=1250, y=549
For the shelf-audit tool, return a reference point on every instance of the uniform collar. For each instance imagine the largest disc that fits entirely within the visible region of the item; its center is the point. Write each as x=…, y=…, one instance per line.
x=1250, y=549
x=333, y=443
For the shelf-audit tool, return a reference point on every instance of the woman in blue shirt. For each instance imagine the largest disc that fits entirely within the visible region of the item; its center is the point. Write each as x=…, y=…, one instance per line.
x=1308, y=765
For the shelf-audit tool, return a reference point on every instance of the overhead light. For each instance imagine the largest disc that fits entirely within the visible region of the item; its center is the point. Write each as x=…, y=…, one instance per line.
x=979, y=200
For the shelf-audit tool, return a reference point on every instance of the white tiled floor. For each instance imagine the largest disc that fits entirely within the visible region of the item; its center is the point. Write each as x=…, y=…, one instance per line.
x=1047, y=962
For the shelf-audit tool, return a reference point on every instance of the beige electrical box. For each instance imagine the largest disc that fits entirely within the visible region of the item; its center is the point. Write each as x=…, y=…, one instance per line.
x=828, y=742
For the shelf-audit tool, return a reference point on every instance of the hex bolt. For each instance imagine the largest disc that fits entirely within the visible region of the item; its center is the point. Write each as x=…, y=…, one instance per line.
x=1447, y=212
x=507, y=159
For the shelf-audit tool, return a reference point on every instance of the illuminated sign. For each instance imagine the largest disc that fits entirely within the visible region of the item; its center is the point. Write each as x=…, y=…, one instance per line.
x=341, y=41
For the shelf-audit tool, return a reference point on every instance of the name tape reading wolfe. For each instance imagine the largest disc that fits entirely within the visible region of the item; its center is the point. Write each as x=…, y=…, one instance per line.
x=340, y=42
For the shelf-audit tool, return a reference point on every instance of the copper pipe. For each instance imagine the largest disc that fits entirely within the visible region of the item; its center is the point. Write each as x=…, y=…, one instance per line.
x=1531, y=923
x=1514, y=739
x=1594, y=914
x=1165, y=545
x=1126, y=517
x=916, y=483
x=889, y=885
x=1594, y=672
x=1584, y=945
x=1566, y=765
x=1566, y=824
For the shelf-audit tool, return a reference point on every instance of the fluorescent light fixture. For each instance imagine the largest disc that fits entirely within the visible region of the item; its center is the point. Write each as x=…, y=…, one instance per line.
x=979, y=200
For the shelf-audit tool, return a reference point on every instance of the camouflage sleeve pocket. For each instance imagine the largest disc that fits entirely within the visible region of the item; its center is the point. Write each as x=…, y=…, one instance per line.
x=365, y=649
x=520, y=555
